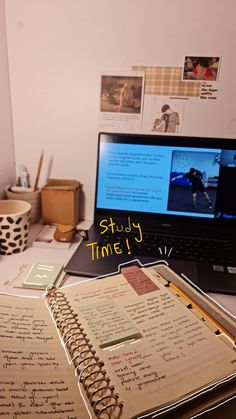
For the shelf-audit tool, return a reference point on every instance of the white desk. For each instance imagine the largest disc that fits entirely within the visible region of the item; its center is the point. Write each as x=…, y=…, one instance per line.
x=9, y=268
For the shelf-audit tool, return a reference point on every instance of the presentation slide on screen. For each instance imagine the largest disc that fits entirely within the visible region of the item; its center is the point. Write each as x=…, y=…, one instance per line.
x=158, y=179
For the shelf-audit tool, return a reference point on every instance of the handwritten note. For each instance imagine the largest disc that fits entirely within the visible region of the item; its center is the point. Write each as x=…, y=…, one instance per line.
x=135, y=371
x=24, y=359
x=93, y=292
x=23, y=323
x=115, y=243
x=37, y=398
x=36, y=379
x=108, y=323
x=150, y=371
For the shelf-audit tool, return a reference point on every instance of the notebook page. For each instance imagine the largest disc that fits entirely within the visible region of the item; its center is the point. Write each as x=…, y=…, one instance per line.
x=176, y=353
x=36, y=379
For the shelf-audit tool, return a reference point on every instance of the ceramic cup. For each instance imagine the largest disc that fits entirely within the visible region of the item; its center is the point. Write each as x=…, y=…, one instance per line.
x=32, y=197
x=14, y=226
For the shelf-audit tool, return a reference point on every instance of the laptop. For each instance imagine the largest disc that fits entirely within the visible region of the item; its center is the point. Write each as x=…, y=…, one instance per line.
x=162, y=197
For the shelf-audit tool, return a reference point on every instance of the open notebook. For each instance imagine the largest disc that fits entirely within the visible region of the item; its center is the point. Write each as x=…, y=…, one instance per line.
x=180, y=191
x=141, y=343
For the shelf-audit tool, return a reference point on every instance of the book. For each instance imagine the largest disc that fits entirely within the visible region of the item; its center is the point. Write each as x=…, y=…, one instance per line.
x=139, y=343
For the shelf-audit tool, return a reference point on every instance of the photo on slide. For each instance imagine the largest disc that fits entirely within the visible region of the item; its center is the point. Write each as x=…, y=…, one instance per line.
x=193, y=181
x=228, y=158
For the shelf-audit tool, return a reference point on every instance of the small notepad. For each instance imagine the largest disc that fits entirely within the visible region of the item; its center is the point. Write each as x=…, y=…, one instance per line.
x=41, y=275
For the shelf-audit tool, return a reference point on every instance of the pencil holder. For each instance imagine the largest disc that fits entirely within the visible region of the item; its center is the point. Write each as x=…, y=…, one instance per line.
x=32, y=197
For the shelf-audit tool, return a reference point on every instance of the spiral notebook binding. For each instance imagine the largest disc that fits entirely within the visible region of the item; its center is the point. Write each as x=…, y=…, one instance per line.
x=88, y=366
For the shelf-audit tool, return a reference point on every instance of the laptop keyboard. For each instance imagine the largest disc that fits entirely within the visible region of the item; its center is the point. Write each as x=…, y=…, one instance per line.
x=163, y=246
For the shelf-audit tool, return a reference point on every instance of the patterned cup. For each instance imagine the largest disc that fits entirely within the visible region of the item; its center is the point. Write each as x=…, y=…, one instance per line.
x=14, y=226
x=32, y=197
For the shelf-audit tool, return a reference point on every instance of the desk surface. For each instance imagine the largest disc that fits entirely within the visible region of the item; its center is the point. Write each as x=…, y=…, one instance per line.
x=10, y=265
x=9, y=268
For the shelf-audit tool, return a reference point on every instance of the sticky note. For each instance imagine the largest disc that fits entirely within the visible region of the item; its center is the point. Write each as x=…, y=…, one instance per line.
x=41, y=275
x=140, y=282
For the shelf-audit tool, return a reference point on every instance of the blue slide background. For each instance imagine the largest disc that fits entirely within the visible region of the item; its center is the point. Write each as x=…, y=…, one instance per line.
x=136, y=177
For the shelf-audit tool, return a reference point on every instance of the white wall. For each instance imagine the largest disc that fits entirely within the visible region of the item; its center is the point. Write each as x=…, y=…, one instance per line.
x=7, y=167
x=58, y=48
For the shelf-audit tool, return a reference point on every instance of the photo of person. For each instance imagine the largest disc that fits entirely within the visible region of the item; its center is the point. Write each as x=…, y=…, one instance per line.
x=193, y=182
x=196, y=179
x=201, y=68
x=168, y=122
x=121, y=94
x=228, y=158
x=226, y=203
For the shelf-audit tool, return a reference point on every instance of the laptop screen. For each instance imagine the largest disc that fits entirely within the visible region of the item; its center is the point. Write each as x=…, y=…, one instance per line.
x=166, y=175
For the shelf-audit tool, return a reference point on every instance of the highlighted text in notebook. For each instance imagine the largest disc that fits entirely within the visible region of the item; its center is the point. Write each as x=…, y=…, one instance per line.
x=112, y=246
x=108, y=323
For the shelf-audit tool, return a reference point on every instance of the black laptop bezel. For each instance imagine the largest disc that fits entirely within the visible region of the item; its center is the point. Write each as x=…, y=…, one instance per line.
x=155, y=221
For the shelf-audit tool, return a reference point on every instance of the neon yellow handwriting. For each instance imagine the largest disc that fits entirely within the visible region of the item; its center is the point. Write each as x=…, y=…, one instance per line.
x=109, y=224
x=109, y=249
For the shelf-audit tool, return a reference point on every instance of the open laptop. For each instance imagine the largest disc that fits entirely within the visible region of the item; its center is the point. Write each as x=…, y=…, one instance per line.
x=147, y=197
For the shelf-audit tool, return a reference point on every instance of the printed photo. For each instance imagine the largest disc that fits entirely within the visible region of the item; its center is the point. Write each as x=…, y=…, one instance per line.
x=163, y=114
x=193, y=181
x=167, y=121
x=122, y=94
x=201, y=68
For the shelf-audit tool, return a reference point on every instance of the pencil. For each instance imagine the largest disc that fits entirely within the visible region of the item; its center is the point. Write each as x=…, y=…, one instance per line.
x=38, y=172
x=201, y=310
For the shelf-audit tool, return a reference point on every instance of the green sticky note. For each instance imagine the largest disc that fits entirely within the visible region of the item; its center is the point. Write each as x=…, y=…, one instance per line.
x=109, y=323
x=41, y=275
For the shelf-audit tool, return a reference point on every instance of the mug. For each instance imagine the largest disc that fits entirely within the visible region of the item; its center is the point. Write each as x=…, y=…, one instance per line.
x=14, y=226
x=32, y=197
